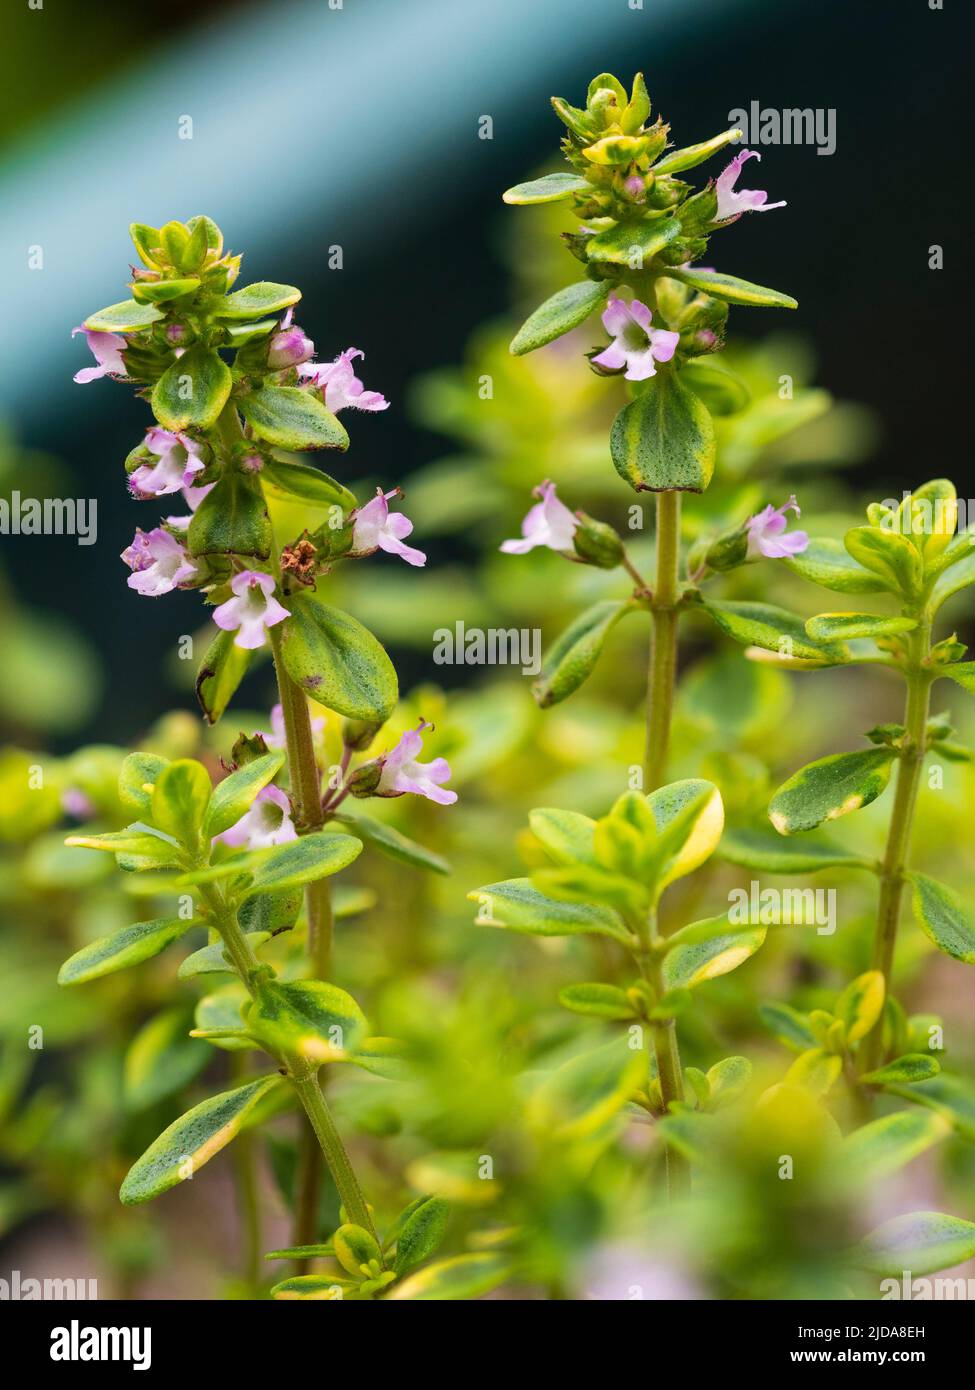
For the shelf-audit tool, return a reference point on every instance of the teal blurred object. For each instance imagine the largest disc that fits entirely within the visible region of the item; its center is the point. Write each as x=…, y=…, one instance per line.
x=303, y=95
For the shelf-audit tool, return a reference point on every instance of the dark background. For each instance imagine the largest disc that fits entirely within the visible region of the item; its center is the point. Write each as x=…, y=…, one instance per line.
x=420, y=229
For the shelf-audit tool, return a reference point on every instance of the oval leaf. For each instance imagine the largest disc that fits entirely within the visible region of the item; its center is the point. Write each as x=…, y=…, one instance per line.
x=599, y=1001
x=944, y=917
x=883, y=1146
x=337, y=661
x=573, y=655
x=688, y=965
x=233, y=796
x=263, y=297
x=192, y=1140
x=221, y=671
x=759, y=849
x=830, y=788
x=301, y=861
x=292, y=419
x=518, y=905
x=838, y=627
x=122, y=948
x=774, y=629
x=126, y=317
x=550, y=188
x=664, y=440
x=393, y=844
x=922, y=1242
x=463, y=1277
x=563, y=312
x=193, y=391
x=827, y=562
x=732, y=290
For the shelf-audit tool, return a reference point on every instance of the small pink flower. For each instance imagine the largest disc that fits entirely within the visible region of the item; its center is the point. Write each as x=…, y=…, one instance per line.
x=267, y=823
x=277, y=737
x=765, y=533
x=375, y=527
x=158, y=563
x=548, y=523
x=179, y=462
x=402, y=773
x=76, y=804
x=636, y=347
x=107, y=349
x=339, y=384
x=289, y=347
x=733, y=202
x=252, y=610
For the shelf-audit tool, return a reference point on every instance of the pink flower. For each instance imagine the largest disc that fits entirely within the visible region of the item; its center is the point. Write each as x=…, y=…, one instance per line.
x=289, y=347
x=636, y=346
x=76, y=804
x=158, y=563
x=375, y=527
x=267, y=823
x=107, y=349
x=732, y=202
x=339, y=384
x=252, y=611
x=277, y=737
x=402, y=773
x=548, y=523
x=765, y=533
x=179, y=462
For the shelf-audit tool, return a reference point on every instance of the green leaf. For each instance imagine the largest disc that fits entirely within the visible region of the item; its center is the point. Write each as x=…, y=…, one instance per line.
x=221, y=671
x=385, y=1057
x=816, y=1070
x=301, y=1252
x=888, y=555
x=213, y=960
x=830, y=788
x=322, y=1288
x=759, y=849
x=518, y=905
x=192, y=391
x=136, y=777
x=947, y=1095
x=883, y=1146
x=688, y=965
x=774, y=629
x=193, y=1139
x=180, y=798
x=572, y=657
x=689, y=818
x=337, y=661
x=664, y=440
x=161, y=291
x=722, y=391
x=564, y=311
x=218, y=1018
x=958, y=577
x=232, y=520
x=732, y=290
x=728, y=1079
x=913, y=1066
x=308, y=1019
x=632, y=244
x=232, y=798
x=161, y=1059
x=550, y=188
x=120, y=949
x=921, y=1241
x=860, y=1005
x=840, y=627
x=599, y=1001
x=310, y=485
x=692, y=155
x=962, y=673
x=292, y=418
x=577, y=1099
x=126, y=317
x=393, y=844
x=788, y=1025
x=263, y=297
x=355, y=1249
x=301, y=861
x=944, y=917
x=827, y=562
x=462, y=1277
x=422, y=1234
x=566, y=835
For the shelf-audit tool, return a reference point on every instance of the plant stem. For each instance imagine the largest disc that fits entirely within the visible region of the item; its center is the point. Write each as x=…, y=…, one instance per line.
x=663, y=645
x=320, y=1117
x=901, y=821
x=248, y=1198
x=669, y=1074
x=307, y=794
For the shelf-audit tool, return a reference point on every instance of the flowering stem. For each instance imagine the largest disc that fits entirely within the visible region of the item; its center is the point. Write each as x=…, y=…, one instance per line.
x=669, y=1074
x=663, y=646
x=305, y=1082
x=901, y=821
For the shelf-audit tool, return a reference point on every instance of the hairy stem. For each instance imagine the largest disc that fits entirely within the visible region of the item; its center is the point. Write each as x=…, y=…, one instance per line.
x=901, y=822
x=663, y=645
x=244, y=1155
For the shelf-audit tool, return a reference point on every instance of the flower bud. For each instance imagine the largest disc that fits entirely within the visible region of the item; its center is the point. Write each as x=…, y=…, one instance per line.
x=596, y=543
x=365, y=779
x=729, y=550
x=357, y=734
x=246, y=749
x=288, y=348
